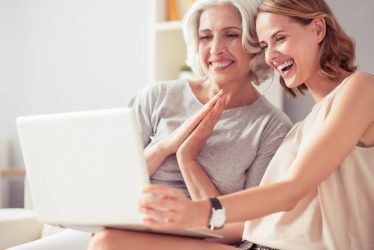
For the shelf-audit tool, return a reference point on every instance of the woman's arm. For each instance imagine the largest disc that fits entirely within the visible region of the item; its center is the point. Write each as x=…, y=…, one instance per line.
x=350, y=116
x=198, y=182
x=156, y=154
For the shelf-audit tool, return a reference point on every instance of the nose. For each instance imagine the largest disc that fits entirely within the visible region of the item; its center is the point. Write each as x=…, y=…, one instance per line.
x=271, y=54
x=216, y=47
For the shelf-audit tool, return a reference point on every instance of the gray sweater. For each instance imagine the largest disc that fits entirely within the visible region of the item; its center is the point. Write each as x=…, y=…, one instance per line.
x=235, y=156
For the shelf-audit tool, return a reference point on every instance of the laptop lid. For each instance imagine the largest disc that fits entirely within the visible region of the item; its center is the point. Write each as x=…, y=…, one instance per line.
x=87, y=169
x=84, y=168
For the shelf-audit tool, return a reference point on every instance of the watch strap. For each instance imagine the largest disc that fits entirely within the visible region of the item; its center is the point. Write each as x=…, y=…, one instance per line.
x=218, y=215
x=216, y=204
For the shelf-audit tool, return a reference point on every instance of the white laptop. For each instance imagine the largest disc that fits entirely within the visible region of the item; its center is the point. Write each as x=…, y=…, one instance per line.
x=86, y=169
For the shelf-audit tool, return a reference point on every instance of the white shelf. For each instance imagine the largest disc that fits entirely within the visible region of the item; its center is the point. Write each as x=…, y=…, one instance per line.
x=168, y=48
x=168, y=25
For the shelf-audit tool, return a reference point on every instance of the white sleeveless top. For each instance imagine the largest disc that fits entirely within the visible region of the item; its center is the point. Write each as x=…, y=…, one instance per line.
x=339, y=214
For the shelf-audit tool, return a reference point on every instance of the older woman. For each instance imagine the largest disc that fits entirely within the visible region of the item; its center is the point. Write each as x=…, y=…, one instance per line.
x=242, y=131
x=238, y=129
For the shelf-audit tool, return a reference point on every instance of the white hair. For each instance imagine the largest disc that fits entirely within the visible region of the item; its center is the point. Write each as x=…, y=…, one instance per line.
x=258, y=69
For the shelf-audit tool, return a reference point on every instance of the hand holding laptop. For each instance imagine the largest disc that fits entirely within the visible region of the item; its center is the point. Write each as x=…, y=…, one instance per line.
x=168, y=208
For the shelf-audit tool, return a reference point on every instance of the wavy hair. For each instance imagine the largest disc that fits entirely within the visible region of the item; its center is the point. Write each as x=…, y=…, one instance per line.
x=337, y=49
x=259, y=71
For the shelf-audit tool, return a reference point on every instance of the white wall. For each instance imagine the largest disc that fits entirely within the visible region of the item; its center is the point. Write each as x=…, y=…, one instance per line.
x=357, y=19
x=67, y=55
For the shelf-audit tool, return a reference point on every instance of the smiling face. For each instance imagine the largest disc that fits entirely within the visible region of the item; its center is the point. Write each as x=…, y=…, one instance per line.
x=221, y=53
x=290, y=47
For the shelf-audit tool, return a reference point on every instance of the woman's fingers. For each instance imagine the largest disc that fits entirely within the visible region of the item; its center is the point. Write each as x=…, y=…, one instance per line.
x=162, y=190
x=195, y=120
x=179, y=135
x=164, y=218
x=158, y=215
x=218, y=108
x=196, y=140
x=212, y=102
x=161, y=197
x=164, y=207
x=209, y=121
x=159, y=203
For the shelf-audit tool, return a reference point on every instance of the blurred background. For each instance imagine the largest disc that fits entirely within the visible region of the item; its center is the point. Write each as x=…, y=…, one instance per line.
x=70, y=55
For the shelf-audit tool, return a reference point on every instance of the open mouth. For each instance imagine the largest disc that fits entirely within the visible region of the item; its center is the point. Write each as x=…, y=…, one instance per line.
x=285, y=67
x=221, y=65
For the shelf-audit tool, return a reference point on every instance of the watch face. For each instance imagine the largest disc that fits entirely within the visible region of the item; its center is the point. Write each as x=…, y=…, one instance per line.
x=219, y=218
x=218, y=215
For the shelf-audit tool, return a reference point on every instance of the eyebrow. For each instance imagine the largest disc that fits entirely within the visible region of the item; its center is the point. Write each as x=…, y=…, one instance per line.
x=275, y=34
x=226, y=28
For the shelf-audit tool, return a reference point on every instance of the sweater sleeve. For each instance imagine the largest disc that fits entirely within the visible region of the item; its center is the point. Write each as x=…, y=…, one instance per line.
x=272, y=137
x=143, y=104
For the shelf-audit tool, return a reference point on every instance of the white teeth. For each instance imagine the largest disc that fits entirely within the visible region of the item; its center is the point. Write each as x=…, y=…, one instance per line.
x=282, y=66
x=221, y=64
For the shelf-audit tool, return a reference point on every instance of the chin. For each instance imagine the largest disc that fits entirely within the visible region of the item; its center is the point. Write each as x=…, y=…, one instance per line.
x=222, y=80
x=292, y=83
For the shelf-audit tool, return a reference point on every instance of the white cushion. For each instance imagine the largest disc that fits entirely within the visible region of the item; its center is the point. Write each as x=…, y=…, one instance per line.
x=18, y=226
x=49, y=230
x=67, y=239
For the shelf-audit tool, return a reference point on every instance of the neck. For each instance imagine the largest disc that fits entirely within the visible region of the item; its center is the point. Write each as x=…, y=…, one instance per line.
x=237, y=94
x=320, y=86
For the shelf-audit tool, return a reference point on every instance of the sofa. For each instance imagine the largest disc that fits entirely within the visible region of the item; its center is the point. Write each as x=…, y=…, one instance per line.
x=19, y=225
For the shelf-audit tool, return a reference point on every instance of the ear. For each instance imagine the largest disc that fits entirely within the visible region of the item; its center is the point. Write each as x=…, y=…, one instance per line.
x=319, y=29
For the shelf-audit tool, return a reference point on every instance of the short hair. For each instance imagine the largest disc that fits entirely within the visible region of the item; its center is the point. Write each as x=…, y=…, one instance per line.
x=259, y=71
x=337, y=49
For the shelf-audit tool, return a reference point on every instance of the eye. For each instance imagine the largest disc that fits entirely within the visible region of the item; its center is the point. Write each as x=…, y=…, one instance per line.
x=205, y=37
x=280, y=38
x=233, y=35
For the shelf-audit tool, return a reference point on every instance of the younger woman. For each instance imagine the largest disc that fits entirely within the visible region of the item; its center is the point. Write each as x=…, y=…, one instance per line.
x=317, y=192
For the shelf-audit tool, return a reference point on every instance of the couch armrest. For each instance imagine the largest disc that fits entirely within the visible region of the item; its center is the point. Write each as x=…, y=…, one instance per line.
x=18, y=226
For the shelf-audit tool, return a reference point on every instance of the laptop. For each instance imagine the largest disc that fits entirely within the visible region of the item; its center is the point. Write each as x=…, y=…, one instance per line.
x=87, y=169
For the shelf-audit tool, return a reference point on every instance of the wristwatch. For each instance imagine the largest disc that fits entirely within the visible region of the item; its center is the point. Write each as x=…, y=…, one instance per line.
x=218, y=215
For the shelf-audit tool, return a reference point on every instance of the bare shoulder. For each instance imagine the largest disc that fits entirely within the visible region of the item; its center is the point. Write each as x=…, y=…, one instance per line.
x=359, y=84
x=361, y=81
x=357, y=95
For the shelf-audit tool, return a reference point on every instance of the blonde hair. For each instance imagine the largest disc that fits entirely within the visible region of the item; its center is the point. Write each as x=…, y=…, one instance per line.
x=337, y=49
x=259, y=71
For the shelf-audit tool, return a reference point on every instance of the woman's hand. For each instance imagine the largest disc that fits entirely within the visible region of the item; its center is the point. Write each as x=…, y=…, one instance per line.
x=192, y=145
x=156, y=154
x=168, y=208
x=198, y=182
x=182, y=132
